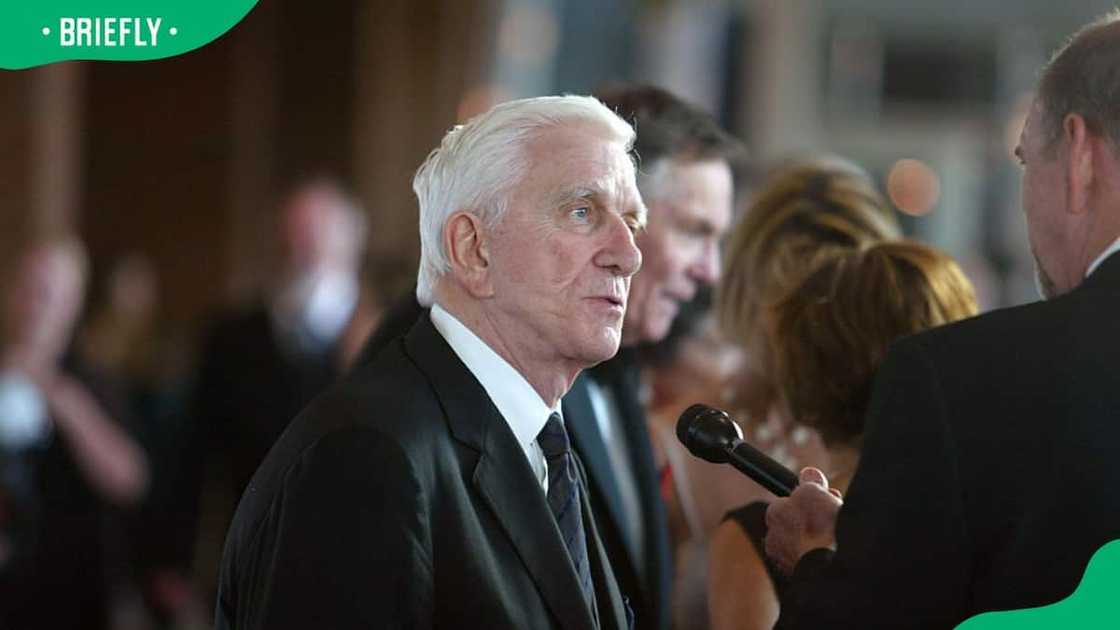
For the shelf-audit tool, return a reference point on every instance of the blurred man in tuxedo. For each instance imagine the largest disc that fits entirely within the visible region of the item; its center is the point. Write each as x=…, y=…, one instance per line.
x=435, y=486
x=988, y=472
x=260, y=365
x=685, y=178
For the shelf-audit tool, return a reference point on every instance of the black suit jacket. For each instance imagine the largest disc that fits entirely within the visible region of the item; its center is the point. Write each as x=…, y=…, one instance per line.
x=647, y=582
x=989, y=471
x=402, y=499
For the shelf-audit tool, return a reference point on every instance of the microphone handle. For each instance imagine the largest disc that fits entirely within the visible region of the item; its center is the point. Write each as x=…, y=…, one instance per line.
x=761, y=468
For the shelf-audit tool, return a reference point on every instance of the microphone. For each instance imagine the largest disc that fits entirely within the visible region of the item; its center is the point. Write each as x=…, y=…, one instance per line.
x=712, y=435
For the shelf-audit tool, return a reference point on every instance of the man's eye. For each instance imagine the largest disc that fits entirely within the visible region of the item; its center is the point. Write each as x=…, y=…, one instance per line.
x=581, y=213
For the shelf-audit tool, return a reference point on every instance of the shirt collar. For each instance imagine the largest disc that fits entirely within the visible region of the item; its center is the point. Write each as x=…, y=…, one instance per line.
x=517, y=401
x=1112, y=249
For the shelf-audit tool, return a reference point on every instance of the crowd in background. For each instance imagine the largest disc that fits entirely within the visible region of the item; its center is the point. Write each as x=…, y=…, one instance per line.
x=124, y=447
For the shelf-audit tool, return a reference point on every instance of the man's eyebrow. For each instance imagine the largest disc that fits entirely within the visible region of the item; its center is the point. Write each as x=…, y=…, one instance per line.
x=567, y=195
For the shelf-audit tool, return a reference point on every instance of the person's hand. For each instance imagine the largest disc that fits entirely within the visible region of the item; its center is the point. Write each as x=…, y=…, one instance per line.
x=804, y=521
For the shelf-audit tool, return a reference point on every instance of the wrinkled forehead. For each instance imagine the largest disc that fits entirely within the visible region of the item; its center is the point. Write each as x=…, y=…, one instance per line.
x=581, y=156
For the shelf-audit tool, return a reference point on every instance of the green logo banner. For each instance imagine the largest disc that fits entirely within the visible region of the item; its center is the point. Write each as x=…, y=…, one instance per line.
x=1093, y=605
x=38, y=32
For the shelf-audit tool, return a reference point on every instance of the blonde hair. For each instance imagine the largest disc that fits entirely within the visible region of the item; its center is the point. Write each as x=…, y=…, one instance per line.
x=804, y=212
x=833, y=330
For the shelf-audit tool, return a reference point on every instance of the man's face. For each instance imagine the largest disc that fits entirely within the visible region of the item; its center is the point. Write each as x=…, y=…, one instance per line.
x=563, y=254
x=690, y=211
x=1043, y=198
x=315, y=231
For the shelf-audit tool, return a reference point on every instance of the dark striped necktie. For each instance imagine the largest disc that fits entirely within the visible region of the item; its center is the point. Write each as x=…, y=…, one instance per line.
x=564, y=500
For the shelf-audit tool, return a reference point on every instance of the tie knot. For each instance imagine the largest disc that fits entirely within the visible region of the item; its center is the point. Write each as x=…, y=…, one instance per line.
x=553, y=438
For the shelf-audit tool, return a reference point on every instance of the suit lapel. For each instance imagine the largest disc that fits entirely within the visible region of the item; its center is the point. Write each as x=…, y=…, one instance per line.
x=520, y=506
x=580, y=419
x=1106, y=275
x=621, y=376
x=502, y=477
x=612, y=613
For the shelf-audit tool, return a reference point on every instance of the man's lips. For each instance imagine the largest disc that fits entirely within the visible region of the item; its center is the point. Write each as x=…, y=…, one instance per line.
x=611, y=299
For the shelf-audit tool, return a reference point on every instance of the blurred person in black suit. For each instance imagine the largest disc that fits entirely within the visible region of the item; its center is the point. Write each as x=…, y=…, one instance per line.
x=67, y=463
x=260, y=363
x=259, y=366
x=686, y=180
x=435, y=486
x=987, y=476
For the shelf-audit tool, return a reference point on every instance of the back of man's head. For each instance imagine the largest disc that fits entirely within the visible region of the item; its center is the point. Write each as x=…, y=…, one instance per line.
x=1083, y=77
x=478, y=164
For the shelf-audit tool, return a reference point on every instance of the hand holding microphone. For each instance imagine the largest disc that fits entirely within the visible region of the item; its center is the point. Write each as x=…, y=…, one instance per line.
x=798, y=523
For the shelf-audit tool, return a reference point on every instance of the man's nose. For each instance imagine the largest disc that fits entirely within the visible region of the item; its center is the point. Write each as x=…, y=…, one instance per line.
x=706, y=268
x=620, y=253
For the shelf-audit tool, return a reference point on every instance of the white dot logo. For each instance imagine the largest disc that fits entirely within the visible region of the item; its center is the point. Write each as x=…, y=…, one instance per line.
x=46, y=30
x=173, y=31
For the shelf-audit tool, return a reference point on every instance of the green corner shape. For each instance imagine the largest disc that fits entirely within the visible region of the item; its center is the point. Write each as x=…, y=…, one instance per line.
x=39, y=32
x=1093, y=605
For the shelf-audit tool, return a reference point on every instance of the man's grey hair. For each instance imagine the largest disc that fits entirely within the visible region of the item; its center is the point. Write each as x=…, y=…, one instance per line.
x=478, y=164
x=1083, y=77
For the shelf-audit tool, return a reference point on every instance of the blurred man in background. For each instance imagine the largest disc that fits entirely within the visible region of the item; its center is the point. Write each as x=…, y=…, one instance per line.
x=686, y=180
x=258, y=366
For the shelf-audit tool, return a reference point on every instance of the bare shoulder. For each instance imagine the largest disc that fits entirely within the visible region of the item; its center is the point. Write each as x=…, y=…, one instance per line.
x=741, y=595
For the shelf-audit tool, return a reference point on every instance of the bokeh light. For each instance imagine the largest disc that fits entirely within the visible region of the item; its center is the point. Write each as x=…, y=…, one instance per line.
x=913, y=186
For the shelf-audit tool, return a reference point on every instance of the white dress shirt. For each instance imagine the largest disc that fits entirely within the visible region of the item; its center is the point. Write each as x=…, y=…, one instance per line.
x=1112, y=249
x=517, y=401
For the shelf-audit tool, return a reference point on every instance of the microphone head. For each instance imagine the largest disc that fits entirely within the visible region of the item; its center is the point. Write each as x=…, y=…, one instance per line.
x=708, y=433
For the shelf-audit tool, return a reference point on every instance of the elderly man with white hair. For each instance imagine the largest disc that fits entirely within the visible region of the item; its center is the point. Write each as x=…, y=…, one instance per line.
x=435, y=487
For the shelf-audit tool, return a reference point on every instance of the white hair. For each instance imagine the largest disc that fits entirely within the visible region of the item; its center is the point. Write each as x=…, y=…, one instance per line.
x=478, y=163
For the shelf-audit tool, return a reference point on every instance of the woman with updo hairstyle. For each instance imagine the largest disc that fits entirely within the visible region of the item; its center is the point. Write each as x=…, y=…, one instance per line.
x=805, y=212
x=826, y=338
x=802, y=211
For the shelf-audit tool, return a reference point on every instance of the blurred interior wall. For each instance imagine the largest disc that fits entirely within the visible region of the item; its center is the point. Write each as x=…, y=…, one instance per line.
x=41, y=115
x=185, y=160
x=782, y=114
x=415, y=61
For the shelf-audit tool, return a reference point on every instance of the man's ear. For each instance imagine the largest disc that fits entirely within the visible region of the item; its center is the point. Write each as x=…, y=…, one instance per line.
x=1080, y=144
x=467, y=243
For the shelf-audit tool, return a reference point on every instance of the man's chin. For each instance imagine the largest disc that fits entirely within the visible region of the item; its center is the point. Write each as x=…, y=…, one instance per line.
x=595, y=350
x=659, y=325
